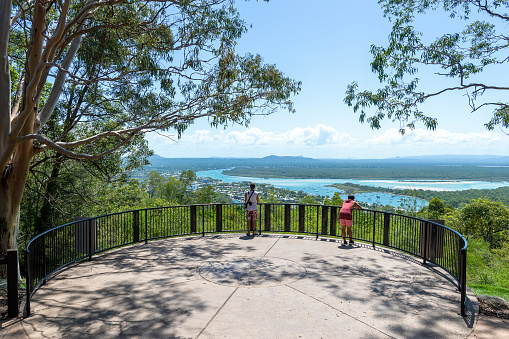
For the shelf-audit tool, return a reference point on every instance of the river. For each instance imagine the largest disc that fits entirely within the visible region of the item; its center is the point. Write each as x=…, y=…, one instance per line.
x=319, y=186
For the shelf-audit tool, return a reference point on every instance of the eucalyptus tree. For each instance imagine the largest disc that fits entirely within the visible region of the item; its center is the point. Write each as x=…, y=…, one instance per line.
x=455, y=59
x=482, y=218
x=115, y=70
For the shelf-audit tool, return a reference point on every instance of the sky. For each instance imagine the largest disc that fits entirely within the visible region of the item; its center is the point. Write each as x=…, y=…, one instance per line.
x=325, y=44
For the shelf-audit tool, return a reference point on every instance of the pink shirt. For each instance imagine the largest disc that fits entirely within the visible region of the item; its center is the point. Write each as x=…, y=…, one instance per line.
x=347, y=207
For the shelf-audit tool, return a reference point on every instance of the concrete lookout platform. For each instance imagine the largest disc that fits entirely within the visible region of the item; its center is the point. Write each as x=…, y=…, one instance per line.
x=235, y=286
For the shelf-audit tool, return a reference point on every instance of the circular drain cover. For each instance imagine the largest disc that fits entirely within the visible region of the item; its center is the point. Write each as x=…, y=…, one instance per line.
x=252, y=272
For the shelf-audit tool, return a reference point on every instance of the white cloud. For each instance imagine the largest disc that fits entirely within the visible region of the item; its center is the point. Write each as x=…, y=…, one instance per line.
x=318, y=135
x=322, y=141
x=438, y=137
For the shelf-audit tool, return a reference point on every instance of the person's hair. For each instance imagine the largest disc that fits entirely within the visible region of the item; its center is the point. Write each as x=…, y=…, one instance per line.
x=252, y=186
x=351, y=197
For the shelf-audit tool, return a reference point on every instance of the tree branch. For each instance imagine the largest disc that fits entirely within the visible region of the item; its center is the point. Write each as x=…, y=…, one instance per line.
x=485, y=8
x=62, y=147
x=22, y=9
x=58, y=85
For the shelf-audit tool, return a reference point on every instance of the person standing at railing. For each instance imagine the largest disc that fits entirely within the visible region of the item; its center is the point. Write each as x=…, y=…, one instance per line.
x=345, y=217
x=251, y=199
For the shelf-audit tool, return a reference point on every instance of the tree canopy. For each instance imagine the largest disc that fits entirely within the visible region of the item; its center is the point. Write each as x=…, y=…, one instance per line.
x=86, y=79
x=460, y=56
x=484, y=219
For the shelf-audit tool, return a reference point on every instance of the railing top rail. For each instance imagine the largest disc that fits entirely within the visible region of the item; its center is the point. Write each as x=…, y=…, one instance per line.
x=214, y=204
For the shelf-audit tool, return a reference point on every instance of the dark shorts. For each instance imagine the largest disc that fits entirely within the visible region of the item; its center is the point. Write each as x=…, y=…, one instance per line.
x=346, y=216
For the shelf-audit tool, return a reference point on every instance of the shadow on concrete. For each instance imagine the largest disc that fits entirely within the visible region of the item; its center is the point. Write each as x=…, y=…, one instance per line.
x=155, y=290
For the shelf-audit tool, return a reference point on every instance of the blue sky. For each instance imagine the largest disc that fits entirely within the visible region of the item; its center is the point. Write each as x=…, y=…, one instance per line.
x=325, y=44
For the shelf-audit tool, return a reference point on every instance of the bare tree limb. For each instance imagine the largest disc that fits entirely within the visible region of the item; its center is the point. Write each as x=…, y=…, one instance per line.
x=17, y=98
x=62, y=147
x=58, y=85
x=21, y=10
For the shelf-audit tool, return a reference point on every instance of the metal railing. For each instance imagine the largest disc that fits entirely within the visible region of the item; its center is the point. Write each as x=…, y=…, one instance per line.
x=50, y=251
x=11, y=261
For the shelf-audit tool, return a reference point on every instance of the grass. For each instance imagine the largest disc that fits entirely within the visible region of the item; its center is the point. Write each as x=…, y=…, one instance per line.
x=487, y=271
x=493, y=290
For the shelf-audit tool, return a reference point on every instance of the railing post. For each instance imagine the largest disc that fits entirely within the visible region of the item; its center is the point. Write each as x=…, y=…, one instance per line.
x=287, y=218
x=203, y=220
x=317, y=222
x=302, y=218
x=374, y=228
x=89, y=223
x=12, y=283
x=136, y=226
x=28, y=284
x=219, y=218
x=193, y=218
x=146, y=227
x=424, y=242
x=325, y=219
x=333, y=220
x=44, y=260
x=387, y=223
x=267, y=216
x=463, y=278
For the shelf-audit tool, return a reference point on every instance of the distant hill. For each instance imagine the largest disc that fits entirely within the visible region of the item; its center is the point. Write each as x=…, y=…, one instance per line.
x=440, y=167
x=215, y=162
x=292, y=161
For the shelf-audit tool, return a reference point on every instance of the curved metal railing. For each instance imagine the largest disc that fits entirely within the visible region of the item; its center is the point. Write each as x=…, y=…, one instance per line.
x=59, y=247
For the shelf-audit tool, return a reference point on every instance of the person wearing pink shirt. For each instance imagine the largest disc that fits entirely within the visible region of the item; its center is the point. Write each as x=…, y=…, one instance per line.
x=345, y=217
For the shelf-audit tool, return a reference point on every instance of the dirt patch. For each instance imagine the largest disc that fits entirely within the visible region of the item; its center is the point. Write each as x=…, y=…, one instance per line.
x=3, y=302
x=493, y=309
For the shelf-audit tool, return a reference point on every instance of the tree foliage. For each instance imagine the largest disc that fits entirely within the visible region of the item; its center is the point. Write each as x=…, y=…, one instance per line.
x=482, y=218
x=87, y=79
x=436, y=208
x=460, y=56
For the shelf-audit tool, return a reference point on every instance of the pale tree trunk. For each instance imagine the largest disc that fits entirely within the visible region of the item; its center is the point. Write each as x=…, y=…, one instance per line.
x=11, y=192
x=5, y=76
x=16, y=157
x=7, y=213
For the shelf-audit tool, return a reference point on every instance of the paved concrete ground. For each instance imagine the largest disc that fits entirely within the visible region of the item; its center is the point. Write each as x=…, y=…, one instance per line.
x=234, y=286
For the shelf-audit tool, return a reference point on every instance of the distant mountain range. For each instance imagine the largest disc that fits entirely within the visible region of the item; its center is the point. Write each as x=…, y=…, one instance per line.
x=299, y=161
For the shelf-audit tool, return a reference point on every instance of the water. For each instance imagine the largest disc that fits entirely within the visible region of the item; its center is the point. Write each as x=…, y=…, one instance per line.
x=318, y=186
